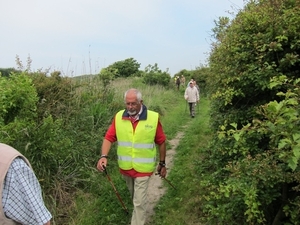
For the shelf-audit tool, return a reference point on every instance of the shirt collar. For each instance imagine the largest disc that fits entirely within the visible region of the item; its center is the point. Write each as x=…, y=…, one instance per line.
x=137, y=116
x=142, y=115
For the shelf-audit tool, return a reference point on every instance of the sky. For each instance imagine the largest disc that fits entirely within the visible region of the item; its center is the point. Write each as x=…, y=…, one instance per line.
x=80, y=37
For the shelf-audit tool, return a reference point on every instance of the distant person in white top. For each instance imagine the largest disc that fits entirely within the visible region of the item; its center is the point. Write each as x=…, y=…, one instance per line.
x=191, y=95
x=22, y=202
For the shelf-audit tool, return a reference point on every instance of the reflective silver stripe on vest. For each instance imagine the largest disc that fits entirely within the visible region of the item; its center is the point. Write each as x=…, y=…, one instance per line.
x=124, y=143
x=136, y=145
x=137, y=160
x=150, y=146
x=125, y=158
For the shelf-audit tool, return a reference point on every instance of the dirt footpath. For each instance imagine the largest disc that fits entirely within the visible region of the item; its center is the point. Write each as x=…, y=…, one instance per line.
x=156, y=188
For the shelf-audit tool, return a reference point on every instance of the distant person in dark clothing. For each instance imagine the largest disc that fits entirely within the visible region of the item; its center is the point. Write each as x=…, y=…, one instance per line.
x=178, y=82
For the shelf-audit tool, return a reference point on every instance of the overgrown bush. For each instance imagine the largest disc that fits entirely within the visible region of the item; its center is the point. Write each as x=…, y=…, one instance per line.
x=18, y=111
x=58, y=124
x=154, y=76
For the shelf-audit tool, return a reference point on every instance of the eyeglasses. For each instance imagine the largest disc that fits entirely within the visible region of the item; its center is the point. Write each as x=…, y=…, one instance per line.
x=131, y=103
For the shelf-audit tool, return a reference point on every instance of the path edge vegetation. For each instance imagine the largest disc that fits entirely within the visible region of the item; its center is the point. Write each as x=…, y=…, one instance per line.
x=182, y=206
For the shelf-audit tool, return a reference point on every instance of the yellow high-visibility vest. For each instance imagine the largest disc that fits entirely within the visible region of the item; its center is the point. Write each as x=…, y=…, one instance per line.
x=137, y=149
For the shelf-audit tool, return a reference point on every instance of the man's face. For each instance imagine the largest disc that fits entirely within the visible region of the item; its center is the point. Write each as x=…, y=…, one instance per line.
x=133, y=106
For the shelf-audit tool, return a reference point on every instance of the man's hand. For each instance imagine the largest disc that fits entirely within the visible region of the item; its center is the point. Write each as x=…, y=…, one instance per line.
x=162, y=171
x=101, y=164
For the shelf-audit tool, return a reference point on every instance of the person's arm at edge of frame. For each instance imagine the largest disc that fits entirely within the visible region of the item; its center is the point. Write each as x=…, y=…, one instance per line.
x=28, y=184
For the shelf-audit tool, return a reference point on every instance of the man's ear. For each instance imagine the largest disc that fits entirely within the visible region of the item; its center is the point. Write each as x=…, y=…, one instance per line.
x=141, y=101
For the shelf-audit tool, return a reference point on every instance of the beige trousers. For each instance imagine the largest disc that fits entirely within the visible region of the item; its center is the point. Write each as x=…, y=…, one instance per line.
x=138, y=190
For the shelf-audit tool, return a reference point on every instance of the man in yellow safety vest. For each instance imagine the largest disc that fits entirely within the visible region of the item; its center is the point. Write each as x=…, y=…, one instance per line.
x=137, y=131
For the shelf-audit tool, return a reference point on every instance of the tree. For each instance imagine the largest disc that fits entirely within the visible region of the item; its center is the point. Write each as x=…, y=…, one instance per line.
x=153, y=75
x=107, y=74
x=6, y=72
x=126, y=68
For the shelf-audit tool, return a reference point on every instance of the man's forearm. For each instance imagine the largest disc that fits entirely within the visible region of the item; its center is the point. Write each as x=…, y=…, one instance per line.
x=105, y=147
x=162, y=151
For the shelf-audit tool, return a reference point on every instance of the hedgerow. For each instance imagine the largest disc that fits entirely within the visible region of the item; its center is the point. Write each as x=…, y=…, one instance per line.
x=253, y=160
